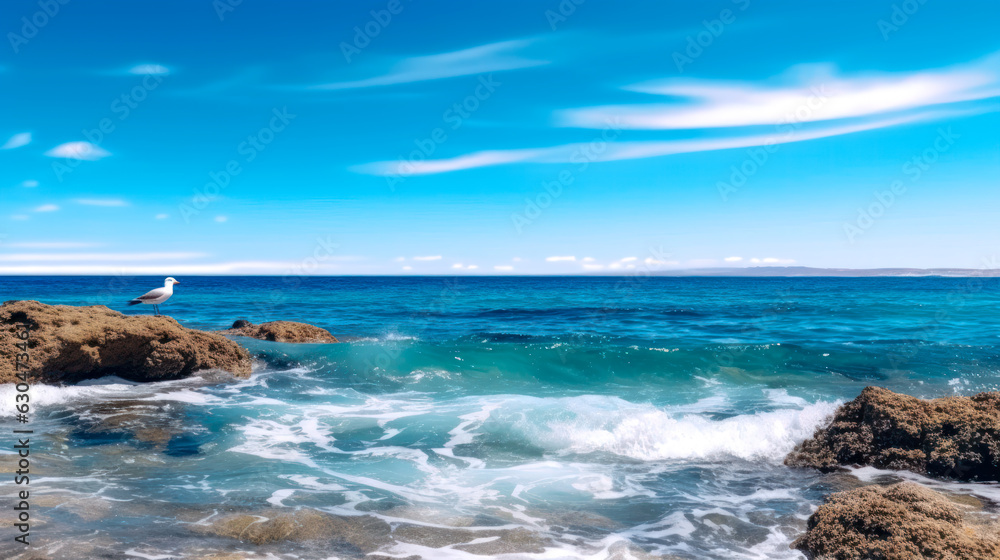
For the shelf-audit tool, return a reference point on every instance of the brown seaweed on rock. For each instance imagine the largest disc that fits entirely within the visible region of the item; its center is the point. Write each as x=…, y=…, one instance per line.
x=951, y=437
x=904, y=521
x=280, y=331
x=69, y=344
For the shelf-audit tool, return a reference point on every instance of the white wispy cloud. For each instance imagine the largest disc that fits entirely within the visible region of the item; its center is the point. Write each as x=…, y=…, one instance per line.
x=51, y=245
x=617, y=151
x=733, y=259
x=593, y=267
x=430, y=258
x=813, y=94
x=47, y=208
x=174, y=269
x=503, y=267
x=110, y=202
x=16, y=141
x=31, y=183
x=493, y=57
x=78, y=150
x=810, y=109
x=221, y=219
x=65, y=257
x=19, y=217
x=659, y=262
x=558, y=259
x=162, y=216
x=771, y=260
x=151, y=69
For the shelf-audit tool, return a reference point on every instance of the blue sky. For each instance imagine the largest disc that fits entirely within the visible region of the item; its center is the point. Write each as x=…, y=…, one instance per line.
x=409, y=137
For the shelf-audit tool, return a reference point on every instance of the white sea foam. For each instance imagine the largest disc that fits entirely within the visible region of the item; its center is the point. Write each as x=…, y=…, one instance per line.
x=644, y=432
x=101, y=389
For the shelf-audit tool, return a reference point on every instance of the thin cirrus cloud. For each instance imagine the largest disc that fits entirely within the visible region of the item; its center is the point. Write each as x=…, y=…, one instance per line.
x=149, y=69
x=108, y=202
x=96, y=257
x=625, y=150
x=84, y=151
x=47, y=208
x=174, y=269
x=16, y=141
x=51, y=245
x=821, y=97
x=493, y=57
x=819, y=108
x=560, y=259
x=430, y=258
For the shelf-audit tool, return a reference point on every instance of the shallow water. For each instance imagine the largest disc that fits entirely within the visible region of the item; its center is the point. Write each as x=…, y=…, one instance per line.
x=540, y=417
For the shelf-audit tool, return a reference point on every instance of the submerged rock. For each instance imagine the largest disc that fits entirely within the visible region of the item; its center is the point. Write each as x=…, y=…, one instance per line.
x=69, y=344
x=364, y=533
x=904, y=521
x=951, y=437
x=280, y=331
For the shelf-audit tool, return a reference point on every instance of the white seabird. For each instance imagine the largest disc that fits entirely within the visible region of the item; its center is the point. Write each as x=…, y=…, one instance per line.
x=157, y=296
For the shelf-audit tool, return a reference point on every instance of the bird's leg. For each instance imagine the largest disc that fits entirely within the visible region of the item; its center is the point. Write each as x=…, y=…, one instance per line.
x=156, y=310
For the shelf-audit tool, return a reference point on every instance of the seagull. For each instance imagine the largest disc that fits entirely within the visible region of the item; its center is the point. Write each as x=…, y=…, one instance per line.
x=157, y=296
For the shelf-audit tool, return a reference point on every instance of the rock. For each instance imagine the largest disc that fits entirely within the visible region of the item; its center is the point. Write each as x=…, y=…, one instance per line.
x=904, y=521
x=364, y=532
x=69, y=344
x=951, y=437
x=280, y=331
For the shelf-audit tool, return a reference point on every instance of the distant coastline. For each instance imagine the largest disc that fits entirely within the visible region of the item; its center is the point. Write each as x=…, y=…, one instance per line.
x=749, y=272
x=806, y=271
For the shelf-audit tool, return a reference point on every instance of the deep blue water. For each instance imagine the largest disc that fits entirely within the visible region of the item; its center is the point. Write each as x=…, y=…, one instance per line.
x=658, y=408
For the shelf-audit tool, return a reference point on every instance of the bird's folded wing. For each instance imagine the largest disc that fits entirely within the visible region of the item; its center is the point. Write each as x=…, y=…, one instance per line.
x=152, y=294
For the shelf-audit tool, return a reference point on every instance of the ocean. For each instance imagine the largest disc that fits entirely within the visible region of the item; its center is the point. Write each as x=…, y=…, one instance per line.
x=538, y=417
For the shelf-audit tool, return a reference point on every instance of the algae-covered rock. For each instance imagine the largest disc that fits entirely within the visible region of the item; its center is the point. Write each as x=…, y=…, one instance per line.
x=951, y=437
x=904, y=521
x=281, y=331
x=69, y=344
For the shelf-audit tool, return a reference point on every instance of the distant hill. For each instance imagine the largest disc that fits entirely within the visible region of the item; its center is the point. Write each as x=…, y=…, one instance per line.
x=843, y=272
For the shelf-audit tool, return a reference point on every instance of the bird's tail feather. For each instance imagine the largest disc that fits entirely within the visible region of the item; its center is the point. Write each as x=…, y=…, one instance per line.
x=135, y=302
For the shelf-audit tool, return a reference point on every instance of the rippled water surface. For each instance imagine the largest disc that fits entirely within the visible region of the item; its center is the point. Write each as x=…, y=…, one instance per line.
x=462, y=418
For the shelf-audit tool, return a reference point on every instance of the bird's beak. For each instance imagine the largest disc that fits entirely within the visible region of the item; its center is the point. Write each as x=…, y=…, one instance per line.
x=176, y=282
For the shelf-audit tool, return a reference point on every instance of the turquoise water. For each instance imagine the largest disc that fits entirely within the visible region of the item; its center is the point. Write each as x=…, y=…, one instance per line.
x=593, y=414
